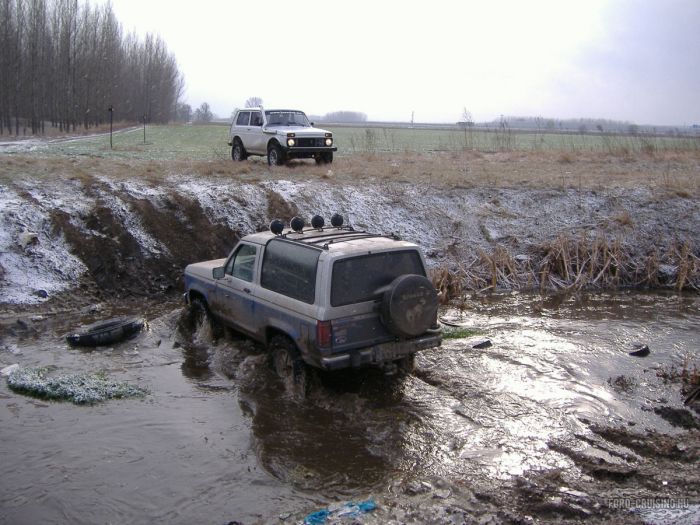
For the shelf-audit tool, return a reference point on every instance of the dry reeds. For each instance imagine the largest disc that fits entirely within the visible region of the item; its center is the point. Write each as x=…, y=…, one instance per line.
x=570, y=264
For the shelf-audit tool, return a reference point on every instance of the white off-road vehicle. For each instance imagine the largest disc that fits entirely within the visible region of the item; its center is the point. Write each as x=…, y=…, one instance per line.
x=281, y=134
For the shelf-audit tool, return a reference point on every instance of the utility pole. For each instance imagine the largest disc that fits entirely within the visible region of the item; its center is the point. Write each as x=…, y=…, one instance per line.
x=144, y=128
x=111, y=118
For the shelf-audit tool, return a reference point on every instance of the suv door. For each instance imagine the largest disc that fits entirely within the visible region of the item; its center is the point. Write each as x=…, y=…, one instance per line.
x=241, y=127
x=257, y=140
x=235, y=291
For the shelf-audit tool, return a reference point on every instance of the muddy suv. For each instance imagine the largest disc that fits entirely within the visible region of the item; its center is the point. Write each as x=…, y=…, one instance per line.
x=327, y=297
x=281, y=134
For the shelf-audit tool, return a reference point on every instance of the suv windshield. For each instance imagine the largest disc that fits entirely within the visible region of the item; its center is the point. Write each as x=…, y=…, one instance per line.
x=359, y=279
x=286, y=118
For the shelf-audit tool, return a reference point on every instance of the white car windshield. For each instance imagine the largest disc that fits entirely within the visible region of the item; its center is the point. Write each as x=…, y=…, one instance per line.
x=286, y=118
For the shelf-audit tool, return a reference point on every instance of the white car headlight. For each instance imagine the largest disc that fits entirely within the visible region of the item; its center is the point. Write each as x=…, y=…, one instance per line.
x=329, y=142
x=290, y=142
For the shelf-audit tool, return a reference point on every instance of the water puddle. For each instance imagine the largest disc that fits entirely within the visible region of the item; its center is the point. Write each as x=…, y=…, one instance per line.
x=218, y=436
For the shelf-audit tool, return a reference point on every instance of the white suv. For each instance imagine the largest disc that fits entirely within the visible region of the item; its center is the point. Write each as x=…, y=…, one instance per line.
x=281, y=134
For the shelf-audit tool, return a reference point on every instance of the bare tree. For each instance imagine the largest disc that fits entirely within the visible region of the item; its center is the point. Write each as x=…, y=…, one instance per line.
x=64, y=62
x=254, y=102
x=203, y=113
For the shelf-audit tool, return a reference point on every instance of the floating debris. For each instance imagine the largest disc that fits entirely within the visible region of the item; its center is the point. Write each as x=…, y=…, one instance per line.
x=640, y=350
x=346, y=510
x=81, y=389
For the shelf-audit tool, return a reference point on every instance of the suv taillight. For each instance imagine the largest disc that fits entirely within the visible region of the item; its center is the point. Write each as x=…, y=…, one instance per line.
x=324, y=334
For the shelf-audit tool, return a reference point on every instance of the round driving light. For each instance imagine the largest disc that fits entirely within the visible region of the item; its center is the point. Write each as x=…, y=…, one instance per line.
x=276, y=226
x=297, y=224
x=317, y=222
x=290, y=142
x=329, y=142
x=337, y=220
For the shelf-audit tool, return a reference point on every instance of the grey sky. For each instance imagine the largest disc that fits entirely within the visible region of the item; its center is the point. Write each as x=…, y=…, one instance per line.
x=623, y=60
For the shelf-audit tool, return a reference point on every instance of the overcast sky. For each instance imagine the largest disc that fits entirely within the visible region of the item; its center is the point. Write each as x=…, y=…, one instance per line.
x=633, y=60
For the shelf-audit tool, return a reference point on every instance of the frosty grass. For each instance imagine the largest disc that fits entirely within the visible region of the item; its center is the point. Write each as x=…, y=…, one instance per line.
x=81, y=389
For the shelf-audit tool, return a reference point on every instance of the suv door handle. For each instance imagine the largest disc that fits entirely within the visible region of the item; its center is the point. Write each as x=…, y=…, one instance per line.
x=246, y=290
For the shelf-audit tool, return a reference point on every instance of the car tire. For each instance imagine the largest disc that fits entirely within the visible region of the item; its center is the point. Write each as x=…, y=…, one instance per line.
x=199, y=314
x=238, y=153
x=275, y=155
x=325, y=157
x=107, y=332
x=409, y=306
x=289, y=366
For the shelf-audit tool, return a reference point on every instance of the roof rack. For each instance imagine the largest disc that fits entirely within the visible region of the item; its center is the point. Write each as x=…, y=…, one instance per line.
x=325, y=235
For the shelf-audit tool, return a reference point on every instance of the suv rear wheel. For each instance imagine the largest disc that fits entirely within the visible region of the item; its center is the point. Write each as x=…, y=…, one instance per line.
x=238, y=152
x=289, y=366
x=275, y=155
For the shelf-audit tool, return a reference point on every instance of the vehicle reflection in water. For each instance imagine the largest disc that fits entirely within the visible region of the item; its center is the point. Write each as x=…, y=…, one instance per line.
x=481, y=415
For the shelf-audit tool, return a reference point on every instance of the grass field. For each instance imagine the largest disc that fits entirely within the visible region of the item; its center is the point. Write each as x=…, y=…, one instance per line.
x=209, y=142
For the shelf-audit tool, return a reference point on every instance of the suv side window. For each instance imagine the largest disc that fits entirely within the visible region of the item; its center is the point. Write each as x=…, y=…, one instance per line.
x=242, y=264
x=256, y=118
x=290, y=269
x=243, y=118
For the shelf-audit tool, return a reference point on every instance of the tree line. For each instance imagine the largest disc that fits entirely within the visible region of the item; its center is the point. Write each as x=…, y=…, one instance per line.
x=64, y=63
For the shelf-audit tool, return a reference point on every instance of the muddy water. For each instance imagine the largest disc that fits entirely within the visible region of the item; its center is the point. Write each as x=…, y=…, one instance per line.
x=218, y=439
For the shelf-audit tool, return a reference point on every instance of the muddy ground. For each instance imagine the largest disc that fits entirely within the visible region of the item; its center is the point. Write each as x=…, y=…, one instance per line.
x=85, y=238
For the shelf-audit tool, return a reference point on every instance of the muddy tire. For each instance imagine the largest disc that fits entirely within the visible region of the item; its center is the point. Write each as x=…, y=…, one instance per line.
x=409, y=306
x=107, y=332
x=199, y=314
x=238, y=152
x=324, y=158
x=275, y=155
x=289, y=366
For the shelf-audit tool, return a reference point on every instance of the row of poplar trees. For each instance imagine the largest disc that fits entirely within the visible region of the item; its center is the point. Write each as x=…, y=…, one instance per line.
x=64, y=63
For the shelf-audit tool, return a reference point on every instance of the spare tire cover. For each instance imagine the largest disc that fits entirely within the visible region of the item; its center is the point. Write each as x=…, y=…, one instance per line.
x=409, y=305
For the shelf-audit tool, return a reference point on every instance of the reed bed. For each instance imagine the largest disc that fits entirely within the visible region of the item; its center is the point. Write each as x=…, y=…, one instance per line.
x=569, y=263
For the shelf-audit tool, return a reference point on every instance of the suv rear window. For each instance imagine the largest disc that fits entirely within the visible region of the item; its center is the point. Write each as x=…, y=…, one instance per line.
x=357, y=279
x=290, y=269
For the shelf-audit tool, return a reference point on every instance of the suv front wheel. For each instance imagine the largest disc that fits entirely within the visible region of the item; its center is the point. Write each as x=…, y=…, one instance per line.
x=325, y=157
x=275, y=155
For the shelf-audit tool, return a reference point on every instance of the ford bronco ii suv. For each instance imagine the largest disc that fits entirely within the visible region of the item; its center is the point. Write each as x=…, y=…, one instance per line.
x=281, y=134
x=327, y=297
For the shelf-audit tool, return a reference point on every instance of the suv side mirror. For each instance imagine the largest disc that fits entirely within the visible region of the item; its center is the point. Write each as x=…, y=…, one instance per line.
x=218, y=273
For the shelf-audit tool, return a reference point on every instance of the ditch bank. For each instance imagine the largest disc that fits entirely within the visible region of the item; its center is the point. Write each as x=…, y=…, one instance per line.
x=75, y=235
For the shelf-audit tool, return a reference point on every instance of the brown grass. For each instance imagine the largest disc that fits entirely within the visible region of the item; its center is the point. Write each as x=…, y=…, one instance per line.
x=570, y=263
x=673, y=174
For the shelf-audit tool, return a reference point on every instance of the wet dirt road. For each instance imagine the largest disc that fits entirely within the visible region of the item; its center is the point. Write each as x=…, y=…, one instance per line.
x=503, y=433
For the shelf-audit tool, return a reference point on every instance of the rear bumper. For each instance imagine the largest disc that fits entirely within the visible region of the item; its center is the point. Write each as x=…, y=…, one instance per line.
x=380, y=354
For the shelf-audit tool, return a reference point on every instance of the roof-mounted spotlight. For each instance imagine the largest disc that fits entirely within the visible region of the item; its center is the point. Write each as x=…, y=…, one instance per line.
x=276, y=226
x=297, y=224
x=317, y=222
x=337, y=220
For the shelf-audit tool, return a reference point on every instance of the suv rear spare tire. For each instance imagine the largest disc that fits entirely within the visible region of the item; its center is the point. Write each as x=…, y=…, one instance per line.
x=409, y=306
